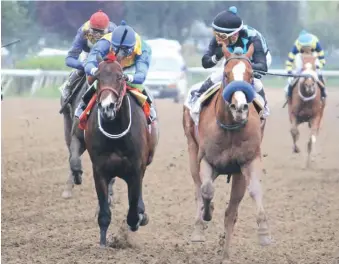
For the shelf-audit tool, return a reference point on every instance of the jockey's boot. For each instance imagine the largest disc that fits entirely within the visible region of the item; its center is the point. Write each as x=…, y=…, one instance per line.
x=153, y=113
x=266, y=108
x=322, y=89
x=203, y=88
x=84, y=101
x=73, y=78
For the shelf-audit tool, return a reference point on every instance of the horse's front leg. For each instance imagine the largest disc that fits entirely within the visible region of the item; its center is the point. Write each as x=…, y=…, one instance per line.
x=315, y=125
x=110, y=196
x=104, y=216
x=136, y=215
x=294, y=132
x=207, y=176
x=252, y=174
x=231, y=214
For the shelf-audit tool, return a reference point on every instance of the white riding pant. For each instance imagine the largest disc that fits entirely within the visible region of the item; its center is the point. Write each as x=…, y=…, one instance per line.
x=298, y=69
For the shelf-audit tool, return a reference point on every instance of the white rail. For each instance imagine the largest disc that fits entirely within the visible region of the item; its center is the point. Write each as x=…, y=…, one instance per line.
x=22, y=80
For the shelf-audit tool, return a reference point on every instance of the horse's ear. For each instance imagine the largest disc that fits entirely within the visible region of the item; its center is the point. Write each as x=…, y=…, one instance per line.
x=226, y=52
x=250, y=51
x=99, y=58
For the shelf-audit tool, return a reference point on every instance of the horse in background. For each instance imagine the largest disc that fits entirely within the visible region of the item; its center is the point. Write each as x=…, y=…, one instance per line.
x=306, y=104
x=227, y=140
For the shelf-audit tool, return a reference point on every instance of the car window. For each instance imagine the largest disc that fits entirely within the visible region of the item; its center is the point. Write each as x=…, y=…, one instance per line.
x=166, y=64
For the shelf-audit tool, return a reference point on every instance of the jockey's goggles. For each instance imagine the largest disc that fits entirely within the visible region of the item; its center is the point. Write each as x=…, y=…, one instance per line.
x=224, y=36
x=97, y=33
x=123, y=50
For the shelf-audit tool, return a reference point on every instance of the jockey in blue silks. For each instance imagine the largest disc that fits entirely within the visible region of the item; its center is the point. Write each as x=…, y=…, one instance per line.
x=136, y=55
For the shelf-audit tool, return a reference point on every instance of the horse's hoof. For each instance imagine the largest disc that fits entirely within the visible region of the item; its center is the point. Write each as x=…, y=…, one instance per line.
x=77, y=178
x=296, y=149
x=133, y=228
x=145, y=220
x=265, y=240
x=198, y=237
x=226, y=261
x=66, y=194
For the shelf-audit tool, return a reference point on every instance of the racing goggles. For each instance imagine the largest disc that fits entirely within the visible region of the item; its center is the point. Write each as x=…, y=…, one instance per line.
x=123, y=50
x=224, y=36
x=97, y=33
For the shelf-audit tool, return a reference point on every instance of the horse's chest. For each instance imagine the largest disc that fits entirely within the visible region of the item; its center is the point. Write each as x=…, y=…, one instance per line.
x=228, y=158
x=304, y=112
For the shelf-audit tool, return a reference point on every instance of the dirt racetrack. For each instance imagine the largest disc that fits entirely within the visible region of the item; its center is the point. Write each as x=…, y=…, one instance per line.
x=38, y=226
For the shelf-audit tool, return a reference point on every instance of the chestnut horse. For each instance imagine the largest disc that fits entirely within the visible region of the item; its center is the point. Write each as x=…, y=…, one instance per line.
x=120, y=144
x=228, y=141
x=306, y=104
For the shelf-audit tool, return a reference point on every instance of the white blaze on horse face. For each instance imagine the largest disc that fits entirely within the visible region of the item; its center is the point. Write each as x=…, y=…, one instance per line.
x=239, y=71
x=308, y=66
x=240, y=99
x=107, y=101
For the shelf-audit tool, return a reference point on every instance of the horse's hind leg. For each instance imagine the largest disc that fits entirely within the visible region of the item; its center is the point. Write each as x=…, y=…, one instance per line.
x=198, y=232
x=104, y=216
x=207, y=189
x=252, y=174
x=237, y=193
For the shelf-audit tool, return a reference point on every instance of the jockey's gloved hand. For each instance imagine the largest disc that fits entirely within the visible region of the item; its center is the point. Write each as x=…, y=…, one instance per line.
x=289, y=72
x=257, y=75
x=219, y=54
x=93, y=71
x=128, y=77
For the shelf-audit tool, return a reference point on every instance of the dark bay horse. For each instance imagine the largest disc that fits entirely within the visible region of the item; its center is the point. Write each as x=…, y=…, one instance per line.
x=120, y=144
x=306, y=104
x=227, y=141
x=74, y=138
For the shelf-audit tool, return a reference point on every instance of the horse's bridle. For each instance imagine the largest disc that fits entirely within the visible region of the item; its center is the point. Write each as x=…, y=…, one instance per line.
x=119, y=95
x=230, y=127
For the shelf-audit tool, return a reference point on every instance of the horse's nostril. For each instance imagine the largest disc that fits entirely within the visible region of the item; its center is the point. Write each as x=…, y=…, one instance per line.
x=245, y=107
